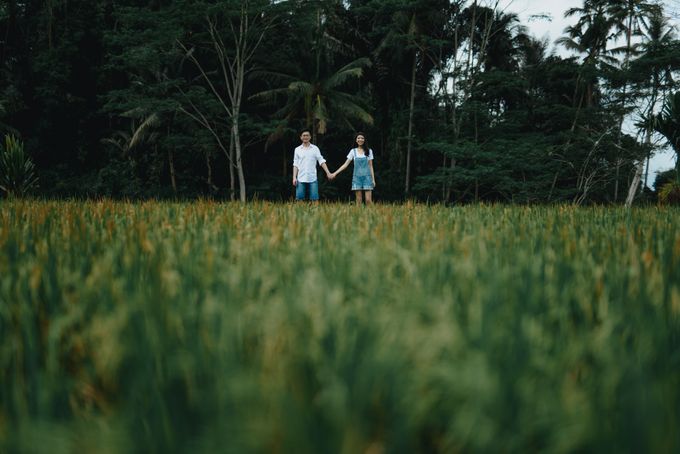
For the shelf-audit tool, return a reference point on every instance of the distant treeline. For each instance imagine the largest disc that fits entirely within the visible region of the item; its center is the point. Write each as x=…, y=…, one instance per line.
x=184, y=98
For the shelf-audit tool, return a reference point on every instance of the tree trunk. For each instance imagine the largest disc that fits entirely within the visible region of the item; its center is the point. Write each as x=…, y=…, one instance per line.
x=449, y=179
x=444, y=179
x=208, y=166
x=636, y=179
x=171, y=165
x=616, y=178
x=552, y=187
x=171, y=162
x=409, y=143
x=231, y=164
x=11, y=21
x=634, y=185
x=50, y=23
x=633, y=189
x=239, y=162
x=655, y=95
x=236, y=112
x=649, y=158
x=454, y=121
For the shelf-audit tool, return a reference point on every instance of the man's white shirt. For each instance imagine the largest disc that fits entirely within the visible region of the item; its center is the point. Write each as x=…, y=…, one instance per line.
x=305, y=159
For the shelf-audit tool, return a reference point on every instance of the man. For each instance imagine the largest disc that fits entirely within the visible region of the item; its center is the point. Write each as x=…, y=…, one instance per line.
x=305, y=158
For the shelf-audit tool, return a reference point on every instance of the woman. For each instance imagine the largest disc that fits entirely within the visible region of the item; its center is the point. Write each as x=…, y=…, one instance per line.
x=363, y=178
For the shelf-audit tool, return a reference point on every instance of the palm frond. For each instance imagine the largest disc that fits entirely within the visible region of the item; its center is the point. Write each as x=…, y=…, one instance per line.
x=269, y=95
x=570, y=44
x=142, y=132
x=136, y=112
x=273, y=77
x=300, y=86
x=573, y=12
x=351, y=70
x=349, y=106
x=667, y=123
x=121, y=145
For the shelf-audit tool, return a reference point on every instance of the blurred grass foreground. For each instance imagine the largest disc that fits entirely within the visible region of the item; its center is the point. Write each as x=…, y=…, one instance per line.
x=210, y=327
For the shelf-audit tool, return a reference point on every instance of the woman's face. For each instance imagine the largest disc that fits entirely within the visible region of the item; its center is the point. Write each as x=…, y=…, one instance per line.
x=360, y=140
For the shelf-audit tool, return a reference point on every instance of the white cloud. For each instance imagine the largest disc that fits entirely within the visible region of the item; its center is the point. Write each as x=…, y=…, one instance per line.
x=545, y=19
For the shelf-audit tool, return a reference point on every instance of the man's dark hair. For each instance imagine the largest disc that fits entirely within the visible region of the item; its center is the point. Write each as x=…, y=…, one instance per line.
x=306, y=130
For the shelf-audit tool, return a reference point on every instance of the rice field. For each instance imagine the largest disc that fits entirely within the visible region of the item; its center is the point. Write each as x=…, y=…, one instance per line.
x=213, y=327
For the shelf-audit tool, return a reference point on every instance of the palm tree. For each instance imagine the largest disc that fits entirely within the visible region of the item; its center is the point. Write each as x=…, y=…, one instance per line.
x=667, y=123
x=412, y=37
x=144, y=129
x=659, y=56
x=504, y=48
x=314, y=91
x=628, y=16
x=590, y=36
x=318, y=99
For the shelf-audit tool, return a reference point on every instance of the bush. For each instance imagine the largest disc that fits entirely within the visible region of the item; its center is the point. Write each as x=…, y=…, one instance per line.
x=662, y=178
x=17, y=171
x=670, y=193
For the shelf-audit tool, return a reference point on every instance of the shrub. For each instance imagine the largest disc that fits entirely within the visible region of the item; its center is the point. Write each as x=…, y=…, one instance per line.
x=670, y=193
x=17, y=171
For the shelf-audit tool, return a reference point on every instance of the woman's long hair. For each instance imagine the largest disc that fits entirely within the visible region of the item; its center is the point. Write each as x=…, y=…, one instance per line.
x=365, y=147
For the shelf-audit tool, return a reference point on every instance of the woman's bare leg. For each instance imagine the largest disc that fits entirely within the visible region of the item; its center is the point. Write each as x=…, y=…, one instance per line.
x=358, y=196
x=368, y=195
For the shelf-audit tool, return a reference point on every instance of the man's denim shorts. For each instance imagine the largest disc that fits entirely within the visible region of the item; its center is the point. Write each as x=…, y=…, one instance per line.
x=303, y=190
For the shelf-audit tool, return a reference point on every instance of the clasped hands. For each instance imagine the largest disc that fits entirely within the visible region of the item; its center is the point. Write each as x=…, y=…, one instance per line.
x=331, y=176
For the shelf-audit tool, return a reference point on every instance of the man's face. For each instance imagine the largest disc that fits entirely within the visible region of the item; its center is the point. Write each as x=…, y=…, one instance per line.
x=306, y=137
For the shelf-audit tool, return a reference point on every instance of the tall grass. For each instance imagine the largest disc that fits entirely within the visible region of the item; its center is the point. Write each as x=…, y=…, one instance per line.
x=208, y=327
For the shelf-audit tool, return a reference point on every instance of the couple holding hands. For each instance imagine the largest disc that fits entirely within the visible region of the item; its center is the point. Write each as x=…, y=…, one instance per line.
x=307, y=155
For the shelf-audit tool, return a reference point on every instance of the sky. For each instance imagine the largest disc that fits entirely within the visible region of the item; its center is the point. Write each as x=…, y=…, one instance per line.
x=552, y=28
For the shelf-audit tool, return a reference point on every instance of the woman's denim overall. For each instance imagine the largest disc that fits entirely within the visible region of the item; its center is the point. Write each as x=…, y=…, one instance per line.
x=361, y=179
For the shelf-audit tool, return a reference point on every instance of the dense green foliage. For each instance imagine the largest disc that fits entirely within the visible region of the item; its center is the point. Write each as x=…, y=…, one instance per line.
x=174, y=98
x=207, y=327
